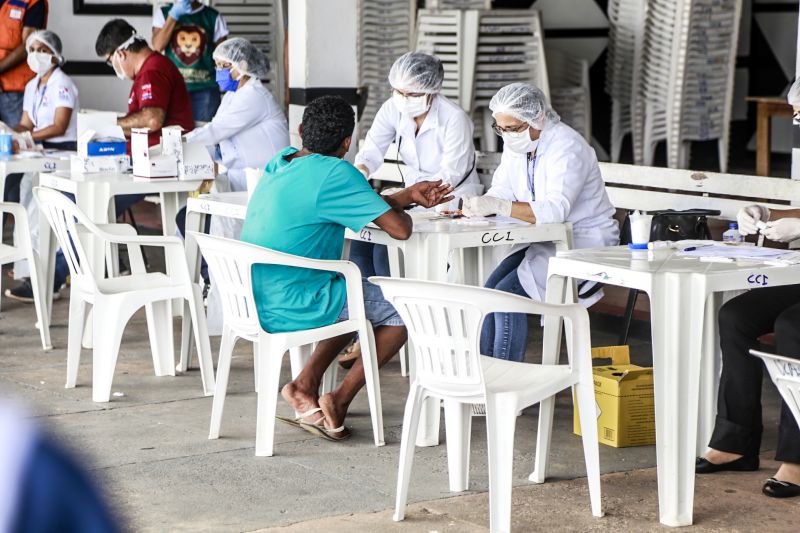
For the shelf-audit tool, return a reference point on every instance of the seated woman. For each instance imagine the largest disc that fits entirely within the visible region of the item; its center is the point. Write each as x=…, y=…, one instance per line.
x=49, y=114
x=547, y=174
x=433, y=137
x=302, y=206
x=736, y=441
x=247, y=131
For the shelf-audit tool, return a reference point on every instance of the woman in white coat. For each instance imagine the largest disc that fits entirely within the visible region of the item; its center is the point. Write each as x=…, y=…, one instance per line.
x=248, y=129
x=434, y=137
x=547, y=174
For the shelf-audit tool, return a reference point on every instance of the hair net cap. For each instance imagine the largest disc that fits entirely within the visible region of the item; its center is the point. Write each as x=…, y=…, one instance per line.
x=417, y=72
x=50, y=40
x=794, y=94
x=244, y=56
x=524, y=102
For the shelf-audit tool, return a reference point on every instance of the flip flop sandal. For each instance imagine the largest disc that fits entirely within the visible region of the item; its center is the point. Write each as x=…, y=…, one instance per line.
x=298, y=421
x=318, y=428
x=350, y=356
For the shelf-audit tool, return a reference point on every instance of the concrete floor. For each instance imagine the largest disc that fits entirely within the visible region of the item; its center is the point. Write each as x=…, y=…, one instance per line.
x=149, y=451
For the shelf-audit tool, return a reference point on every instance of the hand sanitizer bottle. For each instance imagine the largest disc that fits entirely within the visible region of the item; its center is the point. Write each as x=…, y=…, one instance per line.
x=732, y=235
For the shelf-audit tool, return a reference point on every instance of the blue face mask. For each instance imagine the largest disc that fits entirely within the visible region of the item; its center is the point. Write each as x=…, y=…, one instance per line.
x=224, y=80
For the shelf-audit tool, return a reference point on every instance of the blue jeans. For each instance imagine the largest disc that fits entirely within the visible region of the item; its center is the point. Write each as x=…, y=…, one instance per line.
x=205, y=103
x=122, y=203
x=11, y=114
x=505, y=335
x=378, y=310
x=372, y=259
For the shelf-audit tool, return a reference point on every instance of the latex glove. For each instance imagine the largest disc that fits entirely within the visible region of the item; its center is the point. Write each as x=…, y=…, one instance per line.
x=783, y=230
x=364, y=170
x=748, y=216
x=483, y=206
x=180, y=8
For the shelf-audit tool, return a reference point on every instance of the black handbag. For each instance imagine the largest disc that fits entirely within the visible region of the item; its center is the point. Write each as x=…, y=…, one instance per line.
x=671, y=225
x=667, y=225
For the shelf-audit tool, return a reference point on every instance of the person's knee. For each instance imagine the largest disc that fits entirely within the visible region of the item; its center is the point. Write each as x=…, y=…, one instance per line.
x=733, y=317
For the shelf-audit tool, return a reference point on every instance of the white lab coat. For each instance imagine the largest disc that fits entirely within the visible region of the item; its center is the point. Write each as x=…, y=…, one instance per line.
x=443, y=148
x=249, y=128
x=568, y=187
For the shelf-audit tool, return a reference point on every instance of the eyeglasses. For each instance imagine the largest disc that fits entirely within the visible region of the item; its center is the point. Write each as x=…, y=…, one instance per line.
x=796, y=116
x=514, y=129
x=408, y=95
x=109, y=62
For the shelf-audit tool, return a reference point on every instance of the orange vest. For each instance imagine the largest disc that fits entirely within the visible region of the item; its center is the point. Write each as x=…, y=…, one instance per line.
x=12, y=14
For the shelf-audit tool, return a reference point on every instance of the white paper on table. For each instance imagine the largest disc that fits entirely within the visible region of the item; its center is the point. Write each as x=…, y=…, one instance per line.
x=742, y=252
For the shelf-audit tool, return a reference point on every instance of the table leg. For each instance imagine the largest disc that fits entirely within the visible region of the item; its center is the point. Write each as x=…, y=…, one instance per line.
x=195, y=221
x=551, y=351
x=677, y=307
x=426, y=258
x=47, y=254
x=170, y=204
x=762, y=139
x=94, y=202
x=709, y=372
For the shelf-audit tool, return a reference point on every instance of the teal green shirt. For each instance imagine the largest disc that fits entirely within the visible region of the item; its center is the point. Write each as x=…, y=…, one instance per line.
x=301, y=207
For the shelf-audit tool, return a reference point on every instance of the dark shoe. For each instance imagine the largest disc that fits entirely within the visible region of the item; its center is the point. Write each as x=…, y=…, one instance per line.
x=742, y=464
x=780, y=489
x=24, y=292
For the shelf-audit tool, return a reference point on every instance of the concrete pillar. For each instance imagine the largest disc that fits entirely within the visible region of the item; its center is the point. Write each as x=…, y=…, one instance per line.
x=323, y=56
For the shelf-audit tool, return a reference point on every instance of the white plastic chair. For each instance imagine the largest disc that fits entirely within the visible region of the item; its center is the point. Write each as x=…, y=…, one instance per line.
x=444, y=323
x=785, y=373
x=22, y=250
x=116, y=299
x=231, y=263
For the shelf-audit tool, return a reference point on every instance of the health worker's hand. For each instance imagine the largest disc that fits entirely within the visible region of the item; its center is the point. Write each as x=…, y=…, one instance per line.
x=430, y=193
x=747, y=217
x=483, y=206
x=180, y=8
x=783, y=230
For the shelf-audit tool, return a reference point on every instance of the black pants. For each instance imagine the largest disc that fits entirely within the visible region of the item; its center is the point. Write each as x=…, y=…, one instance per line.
x=742, y=320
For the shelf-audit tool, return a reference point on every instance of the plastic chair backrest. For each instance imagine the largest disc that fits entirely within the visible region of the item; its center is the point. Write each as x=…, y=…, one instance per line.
x=785, y=373
x=64, y=218
x=444, y=323
x=232, y=261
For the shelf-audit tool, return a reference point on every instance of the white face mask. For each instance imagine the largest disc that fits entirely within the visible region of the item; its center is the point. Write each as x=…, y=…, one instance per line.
x=40, y=62
x=519, y=142
x=117, y=67
x=413, y=106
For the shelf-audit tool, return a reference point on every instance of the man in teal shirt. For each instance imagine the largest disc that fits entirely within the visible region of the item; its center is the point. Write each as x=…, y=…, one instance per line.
x=302, y=206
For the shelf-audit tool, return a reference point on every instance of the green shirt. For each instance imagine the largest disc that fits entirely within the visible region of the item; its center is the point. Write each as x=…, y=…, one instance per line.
x=301, y=207
x=191, y=47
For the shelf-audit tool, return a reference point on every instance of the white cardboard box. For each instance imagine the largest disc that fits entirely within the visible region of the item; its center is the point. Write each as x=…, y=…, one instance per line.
x=105, y=163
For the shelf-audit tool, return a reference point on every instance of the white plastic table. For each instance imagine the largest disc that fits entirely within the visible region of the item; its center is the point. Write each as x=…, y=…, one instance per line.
x=426, y=253
x=93, y=195
x=48, y=162
x=685, y=296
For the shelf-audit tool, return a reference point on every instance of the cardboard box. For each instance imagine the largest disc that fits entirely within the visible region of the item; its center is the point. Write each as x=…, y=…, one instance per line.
x=99, y=135
x=79, y=164
x=172, y=158
x=624, y=400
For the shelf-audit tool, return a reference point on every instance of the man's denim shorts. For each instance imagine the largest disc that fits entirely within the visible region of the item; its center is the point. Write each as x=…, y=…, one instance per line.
x=379, y=311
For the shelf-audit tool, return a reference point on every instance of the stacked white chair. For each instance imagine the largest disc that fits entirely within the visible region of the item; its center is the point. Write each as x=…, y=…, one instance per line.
x=21, y=250
x=262, y=23
x=623, y=72
x=570, y=92
x=451, y=35
x=386, y=29
x=458, y=4
x=115, y=299
x=785, y=373
x=231, y=263
x=510, y=49
x=688, y=68
x=444, y=324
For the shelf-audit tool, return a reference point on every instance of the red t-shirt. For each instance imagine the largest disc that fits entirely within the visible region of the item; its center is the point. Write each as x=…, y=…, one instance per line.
x=159, y=84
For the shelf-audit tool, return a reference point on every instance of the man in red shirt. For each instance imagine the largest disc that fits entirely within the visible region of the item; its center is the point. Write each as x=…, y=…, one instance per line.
x=158, y=97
